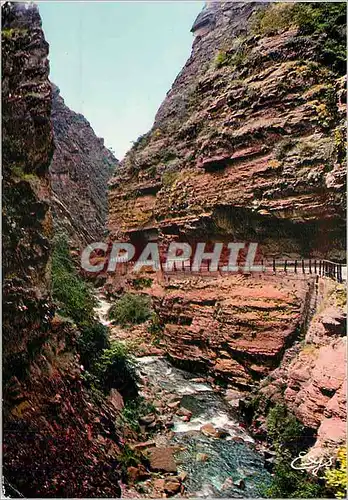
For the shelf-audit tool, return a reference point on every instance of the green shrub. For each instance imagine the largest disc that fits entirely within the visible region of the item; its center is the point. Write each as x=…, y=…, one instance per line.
x=340, y=144
x=290, y=483
x=92, y=341
x=156, y=328
x=115, y=370
x=93, y=384
x=283, y=428
x=130, y=309
x=128, y=458
x=286, y=434
x=133, y=410
x=167, y=156
x=13, y=32
x=74, y=296
x=235, y=58
x=283, y=148
x=140, y=283
x=274, y=18
x=142, y=141
x=18, y=172
x=221, y=59
x=239, y=57
x=317, y=17
x=168, y=178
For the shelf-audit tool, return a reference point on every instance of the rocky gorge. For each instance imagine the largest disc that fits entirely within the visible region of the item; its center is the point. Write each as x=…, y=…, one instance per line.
x=156, y=385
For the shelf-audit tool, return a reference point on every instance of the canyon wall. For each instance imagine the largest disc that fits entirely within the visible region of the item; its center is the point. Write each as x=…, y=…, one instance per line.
x=248, y=145
x=79, y=173
x=57, y=442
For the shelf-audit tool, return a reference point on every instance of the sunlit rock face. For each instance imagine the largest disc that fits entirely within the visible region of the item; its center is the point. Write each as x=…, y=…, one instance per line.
x=247, y=146
x=79, y=173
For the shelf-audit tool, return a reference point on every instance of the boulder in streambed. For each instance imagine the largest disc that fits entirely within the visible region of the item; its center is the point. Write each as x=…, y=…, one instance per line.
x=240, y=484
x=227, y=484
x=222, y=433
x=183, y=412
x=136, y=474
x=162, y=459
x=202, y=457
x=209, y=430
x=172, y=486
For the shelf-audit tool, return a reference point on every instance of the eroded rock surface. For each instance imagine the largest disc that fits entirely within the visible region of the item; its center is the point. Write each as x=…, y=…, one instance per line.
x=247, y=144
x=79, y=173
x=312, y=382
x=57, y=442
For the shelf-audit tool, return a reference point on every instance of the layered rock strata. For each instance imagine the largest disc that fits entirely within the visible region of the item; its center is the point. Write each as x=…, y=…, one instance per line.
x=247, y=146
x=57, y=442
x=80, y=169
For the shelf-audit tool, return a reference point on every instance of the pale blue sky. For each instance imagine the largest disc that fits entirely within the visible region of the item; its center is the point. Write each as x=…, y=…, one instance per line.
x=115, y=61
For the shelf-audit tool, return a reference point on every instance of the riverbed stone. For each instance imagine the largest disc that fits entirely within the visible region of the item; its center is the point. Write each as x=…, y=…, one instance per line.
x=162, y=459
x=136, y=474
x=183, y=412
x=222, y=433
x=241, y=484
x=143, y=445
x=202, y=457
x=159, y=485
x=183, y=475
x=209, y=430
x=173, y=404
x=172, y=486
x=227, y=484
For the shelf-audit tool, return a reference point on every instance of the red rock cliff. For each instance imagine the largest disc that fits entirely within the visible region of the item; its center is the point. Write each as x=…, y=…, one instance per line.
x=247, y=146
x=248, y=142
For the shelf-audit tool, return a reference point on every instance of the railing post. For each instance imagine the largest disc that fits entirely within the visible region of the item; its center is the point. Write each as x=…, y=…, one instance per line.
x=315, y=266
x=274, y=268
x=303, y=267
x=310, y=266
x=285, y=264
x=295, y=266
x=320, y=268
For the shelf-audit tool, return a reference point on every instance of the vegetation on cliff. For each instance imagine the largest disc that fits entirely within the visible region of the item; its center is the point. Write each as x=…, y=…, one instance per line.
x=107, y=364
x=71, y=292
x=130, y=309
x=336, y=479
x=317, y=18
x=287, y=436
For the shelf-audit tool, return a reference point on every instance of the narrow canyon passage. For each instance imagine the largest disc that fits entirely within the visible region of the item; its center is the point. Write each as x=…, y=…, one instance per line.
x=212, y=450
x=141, y=381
